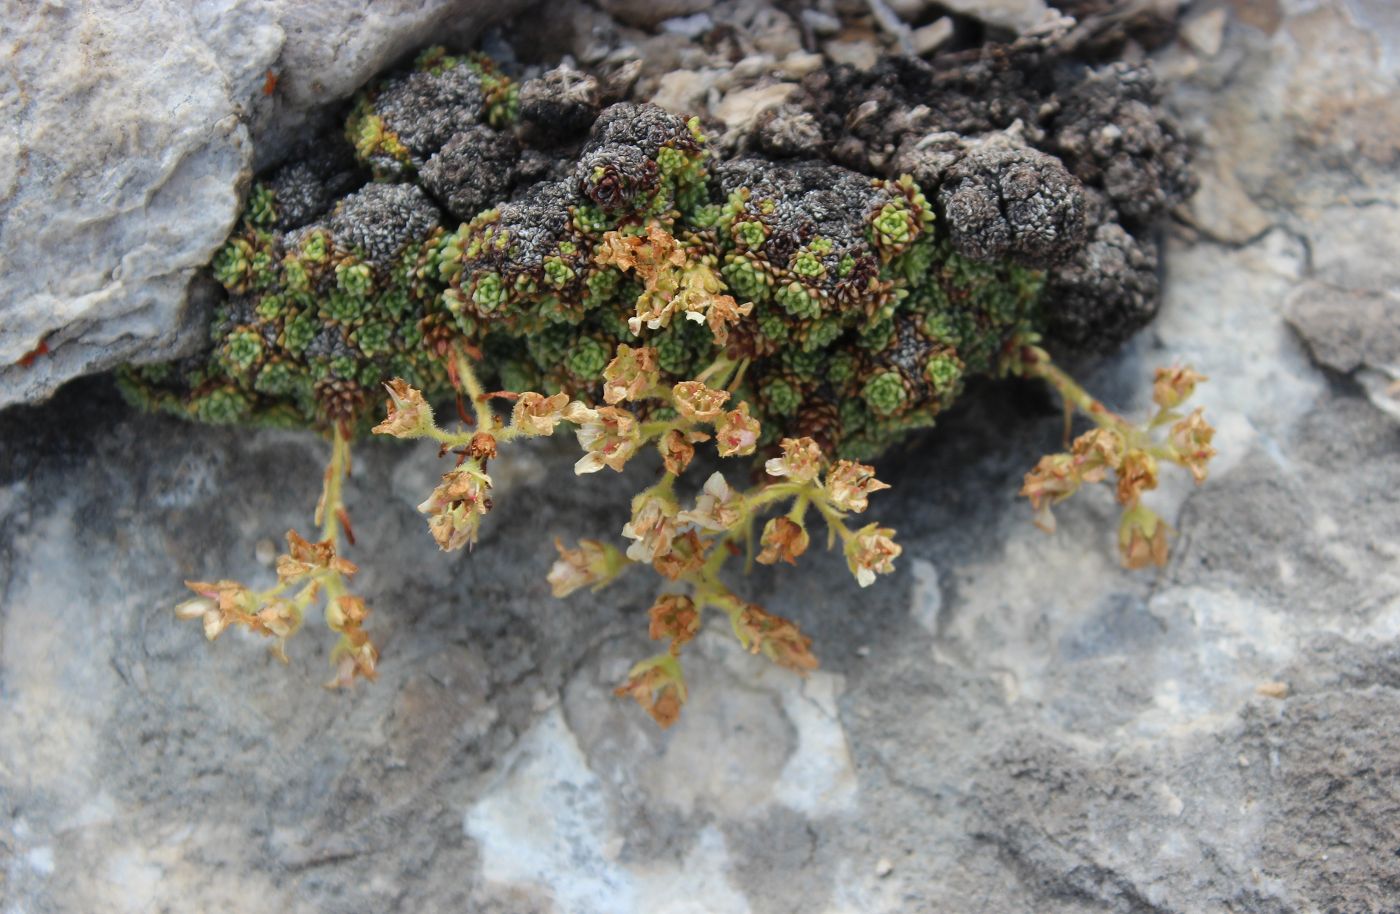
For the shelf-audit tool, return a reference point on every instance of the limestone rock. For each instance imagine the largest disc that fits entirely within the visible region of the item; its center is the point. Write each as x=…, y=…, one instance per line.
x=130, y=131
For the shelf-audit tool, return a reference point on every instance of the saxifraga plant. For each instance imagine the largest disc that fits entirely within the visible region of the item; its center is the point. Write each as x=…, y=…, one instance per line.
x=613, y=273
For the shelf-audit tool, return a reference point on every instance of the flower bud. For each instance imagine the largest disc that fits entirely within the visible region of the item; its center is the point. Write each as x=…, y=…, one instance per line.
x=482, y=446
x=1172, y=386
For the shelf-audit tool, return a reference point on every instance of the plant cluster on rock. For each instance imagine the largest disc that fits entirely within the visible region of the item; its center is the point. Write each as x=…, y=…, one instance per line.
x=809, y=293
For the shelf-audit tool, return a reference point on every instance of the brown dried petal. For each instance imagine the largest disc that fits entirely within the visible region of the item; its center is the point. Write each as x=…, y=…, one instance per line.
x=784, y=540
x=673, y=616
x=536, y=414
x=776, y=638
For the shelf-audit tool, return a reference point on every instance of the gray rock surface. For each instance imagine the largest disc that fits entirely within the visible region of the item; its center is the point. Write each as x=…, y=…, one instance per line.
x=129, y=131
x=1012, y=15
x=1009, y=723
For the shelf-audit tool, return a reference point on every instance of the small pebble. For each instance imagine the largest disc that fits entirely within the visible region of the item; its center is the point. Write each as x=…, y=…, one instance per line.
x=799, y=64
x=884, y=867
x=821, y=23
x=691, y=27
x=931, y=37
x=1272, y=689
x=265, y=551
x=863, y=55
x=1205, y=33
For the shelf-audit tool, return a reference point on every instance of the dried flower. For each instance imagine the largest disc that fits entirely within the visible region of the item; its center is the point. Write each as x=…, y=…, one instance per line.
x=686, y=555
x=1191, y=438
x=656, y=259
x=648, y=256
x=1097, y=451
x=353, y=657
x=658, y=686
x=1053, y=479
x=652, y=527
x=720, y=312
x=408, y=415
x=1142, y=538
x=592, y=564
x=278, y=618
x=579, y=413
x=674, y=616
x=849, y=485
x=678, y=449
x=223, y=603
x=456, y=507
x=871, y=551
x=609, y=435
x=778, y=639
x=305, y=558
x=694, y=400
x=801, y=460
x=717, y=508
x=736, y=434
x=783, y=540
x=482, y=446
x=1172, y=386
x=536, y=414
x=345, y=613
x=1136, y=474
x=631, y=374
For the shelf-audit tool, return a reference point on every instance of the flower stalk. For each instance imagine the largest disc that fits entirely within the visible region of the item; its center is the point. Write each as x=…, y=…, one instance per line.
x=1132, y=452
x=687, y=545
x=315, y=572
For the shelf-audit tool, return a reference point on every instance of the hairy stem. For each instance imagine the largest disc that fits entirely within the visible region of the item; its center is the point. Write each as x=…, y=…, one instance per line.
x=1037, y=364
x=330, y=510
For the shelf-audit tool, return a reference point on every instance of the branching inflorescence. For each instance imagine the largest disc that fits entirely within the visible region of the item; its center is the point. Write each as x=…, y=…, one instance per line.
x=803, y=294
